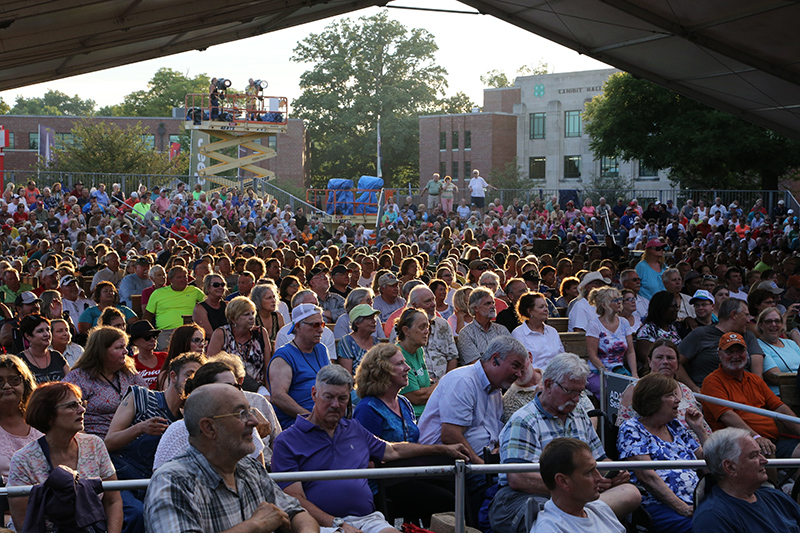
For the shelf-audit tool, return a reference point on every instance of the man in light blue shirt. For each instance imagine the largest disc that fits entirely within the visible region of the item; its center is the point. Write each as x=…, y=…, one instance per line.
x=135, y=283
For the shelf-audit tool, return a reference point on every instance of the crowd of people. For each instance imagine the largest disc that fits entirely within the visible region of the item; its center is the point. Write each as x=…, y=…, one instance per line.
x=202, y=339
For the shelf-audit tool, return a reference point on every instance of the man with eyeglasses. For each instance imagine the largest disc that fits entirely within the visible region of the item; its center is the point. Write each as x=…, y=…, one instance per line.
x=554, y=412
x=293, y=368
x=214, y=486
x=699, y=351
x=326, y=440
x=703, y=302
x=137, y=426
x=475, y=337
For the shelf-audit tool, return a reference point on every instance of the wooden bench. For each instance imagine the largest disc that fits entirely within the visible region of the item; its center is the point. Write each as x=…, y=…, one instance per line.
x=787, y=382
x=574, y=342
x=560, y=324
x=562, y=311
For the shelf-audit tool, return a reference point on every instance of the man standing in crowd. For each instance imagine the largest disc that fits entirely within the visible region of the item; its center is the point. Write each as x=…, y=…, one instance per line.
x=477, y=187
x=214, y=486
x=433, y=188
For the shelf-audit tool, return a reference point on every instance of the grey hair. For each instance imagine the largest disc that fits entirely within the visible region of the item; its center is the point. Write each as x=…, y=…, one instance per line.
x=416, y=293
x=299, y=295
x=490, y=275
x=723, y=445
x=355, y=297
x=503, y=346
x=668, y=272
x=477, y=296
x=730, y=306
x=566, y=365
x=154, y=270
x=334, y=375
x=409, y=286
x=257, y=293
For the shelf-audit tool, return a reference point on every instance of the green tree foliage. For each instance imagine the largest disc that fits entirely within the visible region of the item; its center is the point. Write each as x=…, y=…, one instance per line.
x=703, y=148
x=453, y=105
x=166, y=89
x=4, y=107
x=511, y=176
x=53, y=103
x=362, y=70
x=498, y=79
x=106, y=147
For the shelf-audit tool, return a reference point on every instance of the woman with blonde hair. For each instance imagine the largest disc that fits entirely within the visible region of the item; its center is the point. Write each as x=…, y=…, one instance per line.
x=265, y=298
x=241, y=336
x=103, y=373
x=609, y=339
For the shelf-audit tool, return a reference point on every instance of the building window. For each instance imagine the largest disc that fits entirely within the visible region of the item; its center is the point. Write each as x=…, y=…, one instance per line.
x=149, y=140
x=454, y=175
x=174, y=139
x=270, y=141
x=455, y=141
x=536, y=168
x=647, y=172
x=467, y=140
x=442, y=169
x=63, y=140
x=10, y=140
x=442, y=140
x=33, y=141
x=537, y=125
x=572, y=167
x=609, y=167
x=467, y=169
x=572, y=126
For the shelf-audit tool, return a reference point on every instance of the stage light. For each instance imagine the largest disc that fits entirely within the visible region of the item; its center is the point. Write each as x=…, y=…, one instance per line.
x=223, y=84
x=261, y=84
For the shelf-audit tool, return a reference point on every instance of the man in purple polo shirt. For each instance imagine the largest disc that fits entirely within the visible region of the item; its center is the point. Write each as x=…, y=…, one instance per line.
x=325, y=440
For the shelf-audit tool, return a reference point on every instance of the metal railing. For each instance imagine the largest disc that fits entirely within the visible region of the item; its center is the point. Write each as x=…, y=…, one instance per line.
x=265, y=188
x=460, y=471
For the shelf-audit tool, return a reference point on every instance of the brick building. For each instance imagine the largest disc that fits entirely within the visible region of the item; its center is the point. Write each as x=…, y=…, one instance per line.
x=539, y=121
x=290, y=165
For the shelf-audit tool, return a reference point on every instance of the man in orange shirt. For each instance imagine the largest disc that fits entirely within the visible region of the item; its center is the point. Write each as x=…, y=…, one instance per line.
x=731, y=382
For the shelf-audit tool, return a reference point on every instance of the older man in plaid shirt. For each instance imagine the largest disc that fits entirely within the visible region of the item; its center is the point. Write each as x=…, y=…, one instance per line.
x=554, y=412
x=214, y=486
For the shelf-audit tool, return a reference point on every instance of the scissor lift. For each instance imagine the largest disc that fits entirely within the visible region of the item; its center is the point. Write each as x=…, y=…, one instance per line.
x=236, y=120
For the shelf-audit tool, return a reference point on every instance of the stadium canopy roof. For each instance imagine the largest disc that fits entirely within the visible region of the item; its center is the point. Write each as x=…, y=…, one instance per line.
x=740, y=56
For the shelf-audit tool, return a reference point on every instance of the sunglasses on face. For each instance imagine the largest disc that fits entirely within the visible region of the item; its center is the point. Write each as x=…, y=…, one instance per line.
x=218, y=284
x=150, y=337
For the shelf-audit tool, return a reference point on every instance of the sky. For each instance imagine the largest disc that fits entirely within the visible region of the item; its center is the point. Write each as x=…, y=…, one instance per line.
x=469, y=46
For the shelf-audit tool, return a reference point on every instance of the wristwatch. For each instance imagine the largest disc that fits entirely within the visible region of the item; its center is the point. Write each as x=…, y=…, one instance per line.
x=338, y=522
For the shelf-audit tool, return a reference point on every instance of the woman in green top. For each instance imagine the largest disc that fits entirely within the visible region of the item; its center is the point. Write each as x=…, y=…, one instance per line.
x=448, y=194
x=412, y=334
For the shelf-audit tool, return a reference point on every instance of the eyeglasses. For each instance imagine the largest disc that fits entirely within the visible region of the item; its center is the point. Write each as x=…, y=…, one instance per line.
x=569, y=392
x=198, y=340
x=218, y=284
x=315, y=325
x=616, y=301
x=629, y=299
x=772, y=321
x=151, y=337
x=12, y=381
x=709, y=276
x=73, y=406
x=244, y=415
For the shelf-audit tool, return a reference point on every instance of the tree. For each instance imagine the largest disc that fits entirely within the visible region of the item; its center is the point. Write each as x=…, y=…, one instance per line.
x=498, y=79
x=703, y=148
x=456, y=104
x=106, y=147
x=511, y=176
x=53, y=103
x=166, y=89
x=362, y=71
x=4, y=107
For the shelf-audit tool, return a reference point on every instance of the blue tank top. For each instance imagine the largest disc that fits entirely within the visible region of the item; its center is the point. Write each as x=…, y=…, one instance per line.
x=304, y=372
